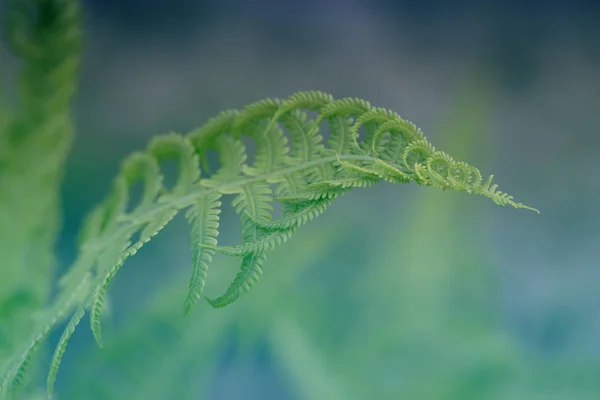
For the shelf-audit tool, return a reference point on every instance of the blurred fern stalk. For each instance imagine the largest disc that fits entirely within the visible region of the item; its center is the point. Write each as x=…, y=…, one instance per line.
x=35, y=138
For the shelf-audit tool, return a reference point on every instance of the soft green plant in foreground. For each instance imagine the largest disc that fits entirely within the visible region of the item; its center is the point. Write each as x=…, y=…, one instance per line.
x=292, y=165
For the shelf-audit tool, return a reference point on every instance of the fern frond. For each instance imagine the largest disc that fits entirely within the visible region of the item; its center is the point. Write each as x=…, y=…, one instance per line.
x=110, y=262
x=297, y=214
x=291, y=166
x=255, y=112
x=12, y=372
x=400, y=133
x=463, y=176
x=61, y=347
x=204, y=218
x=311, y=100
x=267, y=240
x=491, y=191
x=253, y=200
x=174, y=146
x=232, y=157
x=371, y=120
x=325, y=191
x=344, y=183
x=143, y=167
x=205, y=136
x=349, y=106
x=271, y=149
x=251, y=270
x=391, y=173
x=438, y=165
x=306, y=142
x=20, y=374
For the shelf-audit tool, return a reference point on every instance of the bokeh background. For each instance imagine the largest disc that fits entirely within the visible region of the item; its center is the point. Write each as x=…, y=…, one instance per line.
x=397, y=292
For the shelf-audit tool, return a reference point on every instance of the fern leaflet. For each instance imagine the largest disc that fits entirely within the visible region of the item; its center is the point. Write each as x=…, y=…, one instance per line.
x=204, y=218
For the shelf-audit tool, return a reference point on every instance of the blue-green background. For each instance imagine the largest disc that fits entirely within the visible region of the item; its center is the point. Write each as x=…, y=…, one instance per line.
x=396, y=292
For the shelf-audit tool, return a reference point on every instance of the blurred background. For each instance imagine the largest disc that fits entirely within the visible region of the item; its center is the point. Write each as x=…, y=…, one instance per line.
x=397, y=292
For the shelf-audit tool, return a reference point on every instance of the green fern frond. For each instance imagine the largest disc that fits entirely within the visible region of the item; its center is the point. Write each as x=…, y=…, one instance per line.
x=310, y=100
x=62, y=346
x=370, y=120
x=232, y=157
x=174, y=146
x=255, y=112
x=251, y=270
x=313, y=194
x=20, y=373
x=349, y=106
x=292, y=166
x=267, y=240
x=204, y=219
x=399, y=134
x=306, y=142
x=67, y=300
x=297, y=214
x=271, y=149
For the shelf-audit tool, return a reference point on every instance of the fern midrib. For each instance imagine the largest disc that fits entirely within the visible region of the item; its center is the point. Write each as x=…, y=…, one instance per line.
x=198, y=192
x=254, y=210
x=291, y=183
x=344, y=137
x=305, y=141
